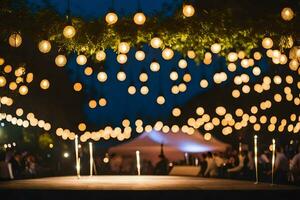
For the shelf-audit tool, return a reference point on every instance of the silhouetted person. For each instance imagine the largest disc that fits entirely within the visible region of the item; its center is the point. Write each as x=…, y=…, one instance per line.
x=162, y=167
x=281, y=166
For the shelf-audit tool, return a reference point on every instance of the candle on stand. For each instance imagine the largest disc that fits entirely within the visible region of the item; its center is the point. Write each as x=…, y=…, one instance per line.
x=91, y=158
x=77, y=159
x=255, y=158
x=273, y=159
x=138, y=165
x=240, y=147
x=186, y=158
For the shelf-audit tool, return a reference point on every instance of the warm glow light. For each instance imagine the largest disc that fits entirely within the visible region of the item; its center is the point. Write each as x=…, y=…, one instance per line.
x=155, y=66
x=69, y=32
x=267, y=43
x=121, y=76
x=143, y=77
x=15, y=40
x=92, y=104
x=44, y=46
x=207, y=136
x=45, y=84
x=82, y=127
x=23, y=90
x=182, y=63
x=77, y=87
x=160, y=100
x=81, y=59
x=100, y=55
x=167, y=54
x=156, y=42
x=2, y=81
x=188, y=10
x=102, y=76
x=123, y=47
x=60, y=60
x=111, y=18
x=176, y=112
x=131, y=90
x=204, y=83
x=122, y=58
x=102, y=102
x=287, y=14
x=140, y=55
x=215, y=48
x=144, y=90
x=232, y=56
x=88, y=71
x=139, y=18
x=191, y=54
x=173, y=75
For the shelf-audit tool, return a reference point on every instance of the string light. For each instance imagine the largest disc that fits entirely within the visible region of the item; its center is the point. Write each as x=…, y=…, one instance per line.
x=69, y=32
x=188, y=10
x=111, y=18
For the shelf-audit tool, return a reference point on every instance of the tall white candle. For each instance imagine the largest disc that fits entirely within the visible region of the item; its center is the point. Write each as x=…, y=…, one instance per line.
x=77, y=158
x=255, y=158
x=273, y=159
x=138, y=165
x=91, y=158
x=240, y=147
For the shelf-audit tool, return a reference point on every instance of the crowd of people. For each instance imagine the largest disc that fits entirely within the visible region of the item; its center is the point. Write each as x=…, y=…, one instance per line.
x=233, y=164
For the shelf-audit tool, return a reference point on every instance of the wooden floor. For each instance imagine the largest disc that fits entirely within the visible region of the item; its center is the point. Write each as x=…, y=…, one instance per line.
x=137, y=183
x=141, y=188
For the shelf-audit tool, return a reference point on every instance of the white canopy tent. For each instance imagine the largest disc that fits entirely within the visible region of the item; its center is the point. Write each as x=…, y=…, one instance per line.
x=175, y=145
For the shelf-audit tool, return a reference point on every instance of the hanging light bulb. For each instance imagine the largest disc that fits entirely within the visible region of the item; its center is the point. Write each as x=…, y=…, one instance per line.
x=121, y=76
x=154, y=66
x=156, y=42
x=123, y=47
x=102, y=102
x=188, y=10
x=187, y=77
x=100, y=55
x=23, y=90
x=139, y=18
x=204, y=83
x=287, y=14
x=77, y=87
x=182, y=63
x=2, y=81
x=81, y=59
x=144, y=90
x=215, y=48
x=267, y=43
x=232, y=56
x=60, y=60
x=88, y=71
x=131, y=90
x=191, y=54
x=176, y=112
x=45, y=84
x=140, y=55
x=167, y=54
x=122, y=58
x=92, y=104
x=69, y=32
x=111, y=18
x=44, y=46
x=15, y=40
x=173, y=75
x=102, y=76
x=143, y=77
x=160, y=100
